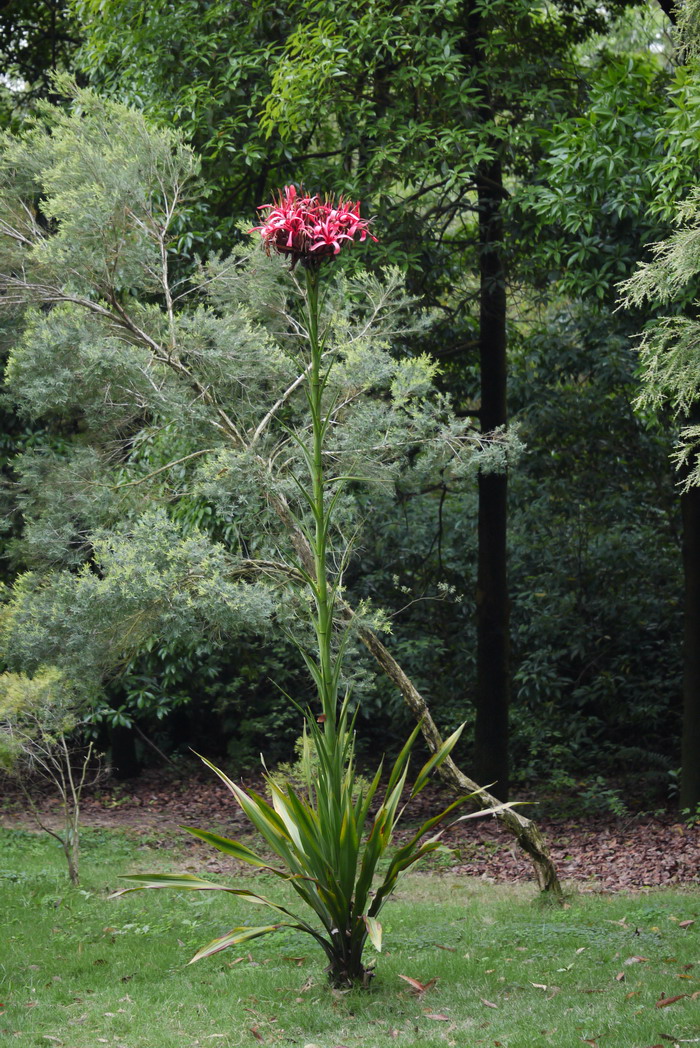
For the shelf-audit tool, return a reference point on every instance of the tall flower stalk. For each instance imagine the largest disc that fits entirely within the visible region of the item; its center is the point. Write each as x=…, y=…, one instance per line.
x=328, y=836
x=323, y=593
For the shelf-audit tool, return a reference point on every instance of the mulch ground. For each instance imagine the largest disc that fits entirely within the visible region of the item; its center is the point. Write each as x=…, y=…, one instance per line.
x=601, y=854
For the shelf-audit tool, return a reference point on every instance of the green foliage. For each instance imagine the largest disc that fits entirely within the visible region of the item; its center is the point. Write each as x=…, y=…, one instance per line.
x=670, y=345
x=39, y=719
x=328, y=849
x=397, y=99
x=596, y=572
x=597, y=179
x=38, y=709
x=37, y=39
x=691, y=816
x=185, y=416
x=394, y=107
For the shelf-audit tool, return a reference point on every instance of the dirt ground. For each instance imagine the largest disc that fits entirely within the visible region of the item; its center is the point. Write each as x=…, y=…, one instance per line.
x=601, y=854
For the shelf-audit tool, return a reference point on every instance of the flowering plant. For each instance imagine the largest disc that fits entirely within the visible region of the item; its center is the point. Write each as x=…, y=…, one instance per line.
x=308, y=228
x=328, y=838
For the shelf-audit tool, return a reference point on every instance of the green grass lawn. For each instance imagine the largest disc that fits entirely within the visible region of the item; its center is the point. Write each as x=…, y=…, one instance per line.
x=80, y=970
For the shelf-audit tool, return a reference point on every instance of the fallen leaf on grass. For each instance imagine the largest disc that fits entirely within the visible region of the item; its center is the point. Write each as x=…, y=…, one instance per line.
x=258, y=1036
x=589, y=1040
x=620, y=977
x=416, y=986
x=438, y=1016
x=686, y=924
x=635, y=960
x=452, y=949
x=539, y=986
x=489, y=1004
x=664, y=1002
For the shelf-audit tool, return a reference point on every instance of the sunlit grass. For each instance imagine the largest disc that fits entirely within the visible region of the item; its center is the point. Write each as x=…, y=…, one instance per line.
x=80, y=970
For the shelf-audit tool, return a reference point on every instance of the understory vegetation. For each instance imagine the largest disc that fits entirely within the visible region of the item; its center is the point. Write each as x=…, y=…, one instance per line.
x=516, y=164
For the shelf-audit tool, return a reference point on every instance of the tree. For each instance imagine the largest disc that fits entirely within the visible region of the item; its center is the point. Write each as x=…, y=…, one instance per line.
x=596, y=571
x=37, y=39
x=39, y=722
x=670, y=355
x=615, y=199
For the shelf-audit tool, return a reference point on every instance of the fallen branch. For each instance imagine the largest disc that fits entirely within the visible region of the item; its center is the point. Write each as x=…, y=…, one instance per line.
x=524, y=830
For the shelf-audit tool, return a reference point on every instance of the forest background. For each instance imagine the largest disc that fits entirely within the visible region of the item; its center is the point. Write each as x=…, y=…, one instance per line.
x=519, y=160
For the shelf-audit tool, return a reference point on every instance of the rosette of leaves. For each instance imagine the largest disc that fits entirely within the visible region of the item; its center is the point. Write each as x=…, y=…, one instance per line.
x=327, y=846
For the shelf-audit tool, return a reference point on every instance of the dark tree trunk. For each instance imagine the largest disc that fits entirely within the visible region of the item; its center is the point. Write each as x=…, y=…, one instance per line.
x=669, y=9
x=125, y=764
x=492, y=604
x=690, y=745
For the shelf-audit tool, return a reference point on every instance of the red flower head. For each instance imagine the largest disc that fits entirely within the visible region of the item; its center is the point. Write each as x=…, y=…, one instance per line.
x=308, y=229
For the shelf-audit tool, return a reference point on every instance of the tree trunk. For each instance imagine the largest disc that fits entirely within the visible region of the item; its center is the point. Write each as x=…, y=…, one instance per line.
x=125, y=764
x=70, y=849
x=492, y=604
x=690, y=744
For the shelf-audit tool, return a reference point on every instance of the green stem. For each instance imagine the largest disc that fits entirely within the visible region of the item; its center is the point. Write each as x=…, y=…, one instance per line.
x=324, y=609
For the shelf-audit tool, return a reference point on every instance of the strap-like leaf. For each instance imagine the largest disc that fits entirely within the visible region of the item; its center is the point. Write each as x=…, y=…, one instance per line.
x=364, y=801
x=228, y=847
x=179, y=881
x=436, y=760
x=400, y=762
x=234, y=937
x=374, y=931
x=488, y=811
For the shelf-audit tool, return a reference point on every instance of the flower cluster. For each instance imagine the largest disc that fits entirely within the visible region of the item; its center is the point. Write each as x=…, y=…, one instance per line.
x=309, y=229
